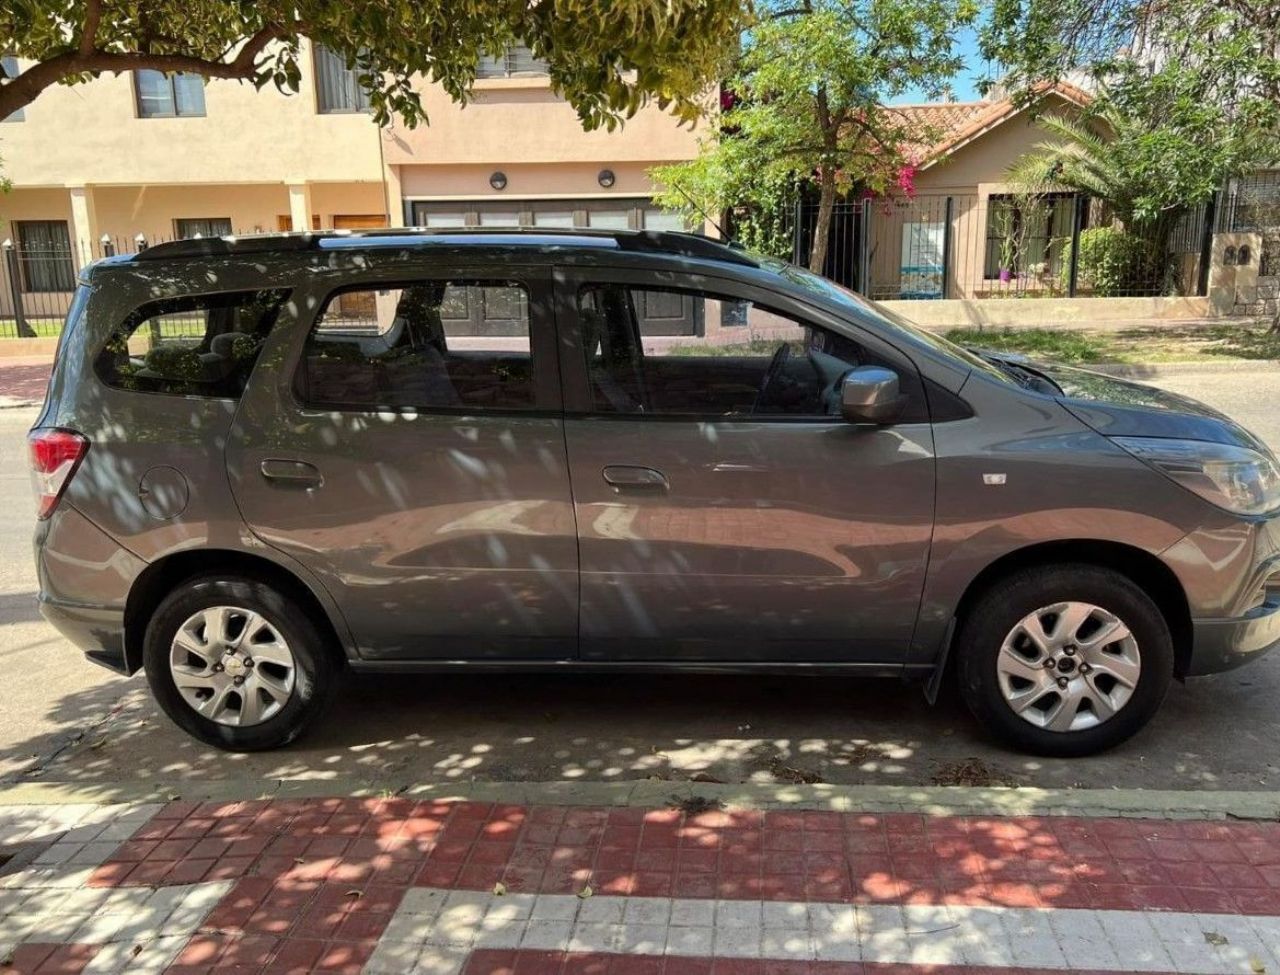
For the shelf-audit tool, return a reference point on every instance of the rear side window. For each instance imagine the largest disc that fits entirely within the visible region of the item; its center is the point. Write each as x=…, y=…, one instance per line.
x=199, y=345
x=431, y=345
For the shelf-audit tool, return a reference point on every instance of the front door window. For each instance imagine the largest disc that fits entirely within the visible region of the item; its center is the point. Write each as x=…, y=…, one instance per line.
x=691, y=353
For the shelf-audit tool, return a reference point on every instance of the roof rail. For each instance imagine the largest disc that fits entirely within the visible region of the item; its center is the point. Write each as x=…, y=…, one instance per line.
x=686, y=245
x=646, y=241
x=227, y=246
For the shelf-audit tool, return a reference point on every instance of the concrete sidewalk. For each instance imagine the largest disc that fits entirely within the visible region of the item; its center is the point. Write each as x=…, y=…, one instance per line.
x=452, y=887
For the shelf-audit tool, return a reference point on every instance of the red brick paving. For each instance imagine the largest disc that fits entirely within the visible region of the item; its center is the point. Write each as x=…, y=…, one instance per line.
x=317, y=881
x=487, y=961
x=44, y=959
x=26, y=382
x=300, y=848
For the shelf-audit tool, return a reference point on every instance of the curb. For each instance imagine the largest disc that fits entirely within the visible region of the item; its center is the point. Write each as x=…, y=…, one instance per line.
x=926, y=800
x=1159, y=370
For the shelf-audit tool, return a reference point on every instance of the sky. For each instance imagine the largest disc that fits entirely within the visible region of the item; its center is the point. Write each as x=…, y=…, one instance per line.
x=965, y=84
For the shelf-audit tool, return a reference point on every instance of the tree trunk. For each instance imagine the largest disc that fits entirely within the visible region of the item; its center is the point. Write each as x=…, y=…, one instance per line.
x=1274, y=327
x=822, y=229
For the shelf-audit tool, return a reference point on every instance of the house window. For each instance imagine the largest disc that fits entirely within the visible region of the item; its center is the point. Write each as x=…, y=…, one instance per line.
x=202, y=226
x=44, y=255
x=162, y=95
x=656, y=219
x=609, y=219
x=1027, y=237
x=517, y=61
x=338, y=88
x=9, y=68
x=602, y=213
x=443, y=218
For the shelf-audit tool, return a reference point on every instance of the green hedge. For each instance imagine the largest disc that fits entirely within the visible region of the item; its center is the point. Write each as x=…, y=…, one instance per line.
x=1114, y=262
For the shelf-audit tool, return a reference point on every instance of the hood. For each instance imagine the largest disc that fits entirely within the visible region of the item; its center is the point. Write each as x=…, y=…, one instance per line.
x=1121, y=408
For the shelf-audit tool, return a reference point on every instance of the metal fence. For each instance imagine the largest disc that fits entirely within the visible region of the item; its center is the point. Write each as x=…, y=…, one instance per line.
x=997, y=246
x=1251, y=203
x=38, y=271
x=929, y=247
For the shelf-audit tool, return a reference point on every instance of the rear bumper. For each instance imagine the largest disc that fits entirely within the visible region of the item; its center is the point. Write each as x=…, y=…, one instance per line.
x=1225, y=644
x=97, y=630
x=85, y=579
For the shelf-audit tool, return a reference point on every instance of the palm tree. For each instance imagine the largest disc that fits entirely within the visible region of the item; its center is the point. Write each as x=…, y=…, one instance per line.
x=1086, y=154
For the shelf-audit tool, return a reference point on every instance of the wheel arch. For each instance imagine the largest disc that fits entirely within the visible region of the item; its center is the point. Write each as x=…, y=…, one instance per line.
x=164, y=575
x=1144, y=569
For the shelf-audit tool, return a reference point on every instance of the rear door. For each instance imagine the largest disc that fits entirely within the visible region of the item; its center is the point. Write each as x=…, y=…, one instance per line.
x=417, y=463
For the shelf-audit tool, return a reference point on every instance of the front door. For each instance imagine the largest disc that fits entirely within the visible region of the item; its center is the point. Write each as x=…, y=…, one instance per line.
x=420, y=469
x=725, y=511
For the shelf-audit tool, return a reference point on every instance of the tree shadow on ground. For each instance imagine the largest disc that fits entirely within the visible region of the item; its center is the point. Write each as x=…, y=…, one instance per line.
x=388, y=734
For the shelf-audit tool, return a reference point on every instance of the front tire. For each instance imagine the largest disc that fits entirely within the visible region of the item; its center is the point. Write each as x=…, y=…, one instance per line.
x=237, y=664
x=1064, y=660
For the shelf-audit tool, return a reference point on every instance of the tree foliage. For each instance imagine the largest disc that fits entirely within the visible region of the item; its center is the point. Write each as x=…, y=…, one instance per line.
x=809, y=87
x=1188, y=96
x=1232, y=44
x=1197, y=82
x=606, y=61
x=1150, y=151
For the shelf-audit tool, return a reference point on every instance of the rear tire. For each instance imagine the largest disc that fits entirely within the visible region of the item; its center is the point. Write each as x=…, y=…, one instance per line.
x=1030, y=668
x=199, y=654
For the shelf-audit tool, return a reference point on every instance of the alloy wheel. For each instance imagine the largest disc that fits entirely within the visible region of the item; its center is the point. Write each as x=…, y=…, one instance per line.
x=232, y=666
x=1068, y=666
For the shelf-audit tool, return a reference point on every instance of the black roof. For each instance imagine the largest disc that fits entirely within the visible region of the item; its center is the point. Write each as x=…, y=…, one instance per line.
x=634, y=241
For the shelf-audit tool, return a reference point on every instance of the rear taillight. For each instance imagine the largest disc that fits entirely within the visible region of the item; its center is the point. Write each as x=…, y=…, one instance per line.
x=55, y=455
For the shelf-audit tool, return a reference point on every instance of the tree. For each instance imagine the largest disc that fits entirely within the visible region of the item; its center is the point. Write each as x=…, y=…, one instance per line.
x=605, y=63
x=1191, y=89
x=1231, y=44
x=809, y=88
x=1150, y=146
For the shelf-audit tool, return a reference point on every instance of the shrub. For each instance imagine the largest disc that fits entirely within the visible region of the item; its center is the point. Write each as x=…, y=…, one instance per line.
x=1113, y=262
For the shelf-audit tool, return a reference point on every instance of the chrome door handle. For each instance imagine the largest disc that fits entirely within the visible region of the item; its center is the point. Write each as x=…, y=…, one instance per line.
x=297, y=472
x=624, y=477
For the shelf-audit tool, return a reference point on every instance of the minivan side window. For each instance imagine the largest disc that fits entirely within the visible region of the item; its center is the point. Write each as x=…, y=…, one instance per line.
x=432, y=345
x=658, y=351
x=197, y=345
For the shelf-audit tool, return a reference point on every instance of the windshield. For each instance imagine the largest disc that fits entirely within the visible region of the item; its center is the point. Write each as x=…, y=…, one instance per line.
x=851, y=299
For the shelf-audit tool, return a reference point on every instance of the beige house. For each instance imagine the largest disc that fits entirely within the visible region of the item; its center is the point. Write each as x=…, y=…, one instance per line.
x=124, y=161
x=965, y=233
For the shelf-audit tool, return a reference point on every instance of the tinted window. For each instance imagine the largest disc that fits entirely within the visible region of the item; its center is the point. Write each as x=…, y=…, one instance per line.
x=433, y=345
x=203, y=345
x=687, y=352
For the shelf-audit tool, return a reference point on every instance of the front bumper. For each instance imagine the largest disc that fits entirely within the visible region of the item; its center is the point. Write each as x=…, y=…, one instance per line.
x=1224, y=644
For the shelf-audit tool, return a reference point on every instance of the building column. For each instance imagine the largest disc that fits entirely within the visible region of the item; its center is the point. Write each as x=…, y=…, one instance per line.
x=300, y=205
x=84, y=225
x=395, y=196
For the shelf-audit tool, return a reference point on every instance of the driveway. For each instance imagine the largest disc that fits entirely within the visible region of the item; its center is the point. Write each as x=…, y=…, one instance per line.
x=65, y=720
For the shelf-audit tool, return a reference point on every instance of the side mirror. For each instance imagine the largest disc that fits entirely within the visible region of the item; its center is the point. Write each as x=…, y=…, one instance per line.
x=869, y=394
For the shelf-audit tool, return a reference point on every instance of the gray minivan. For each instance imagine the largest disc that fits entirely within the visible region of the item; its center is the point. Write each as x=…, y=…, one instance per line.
x=264, y=461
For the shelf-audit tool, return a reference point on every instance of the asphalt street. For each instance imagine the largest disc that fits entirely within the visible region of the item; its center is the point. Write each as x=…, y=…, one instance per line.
x=65, y=720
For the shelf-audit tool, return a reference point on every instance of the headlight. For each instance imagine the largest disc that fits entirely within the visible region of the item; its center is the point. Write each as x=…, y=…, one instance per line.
x=1244, y=481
